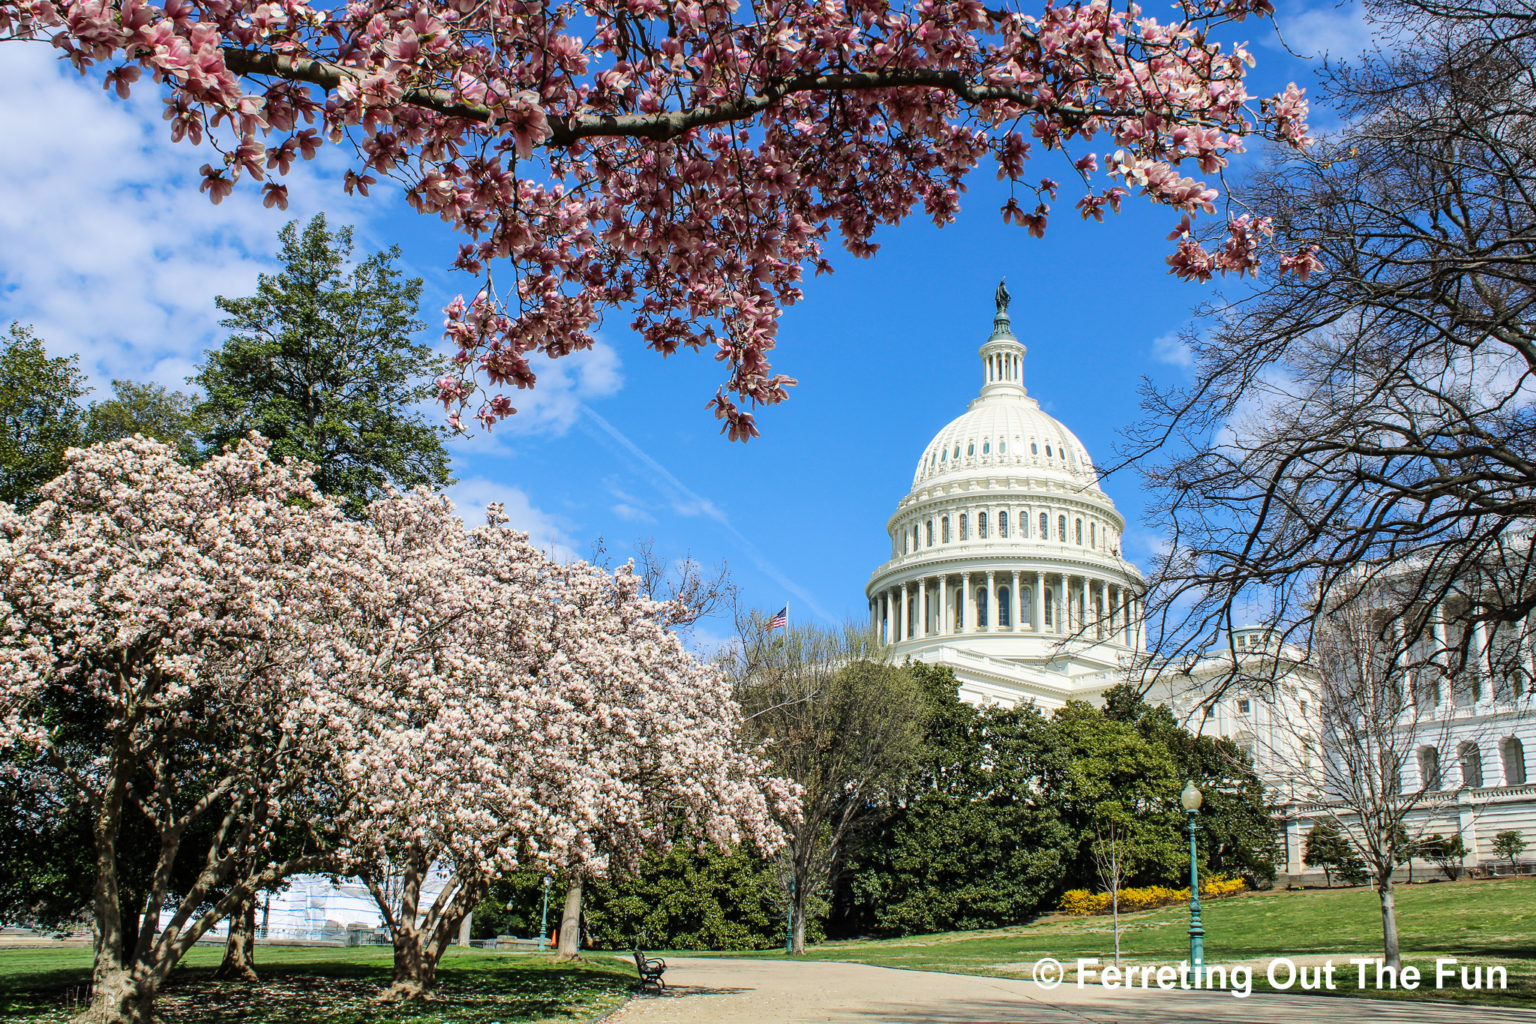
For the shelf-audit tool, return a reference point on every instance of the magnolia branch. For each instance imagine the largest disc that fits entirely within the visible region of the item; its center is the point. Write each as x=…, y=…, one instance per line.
x=566, y=130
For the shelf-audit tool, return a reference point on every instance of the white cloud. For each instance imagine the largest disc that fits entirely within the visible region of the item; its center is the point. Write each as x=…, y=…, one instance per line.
x=549, y=532
x=110, y=250
x=631, y=513
x=551, y=407
x=1340, y=30
x=1173, y=350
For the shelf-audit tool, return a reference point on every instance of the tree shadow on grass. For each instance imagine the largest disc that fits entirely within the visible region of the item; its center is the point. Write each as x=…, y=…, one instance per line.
x=480, y=990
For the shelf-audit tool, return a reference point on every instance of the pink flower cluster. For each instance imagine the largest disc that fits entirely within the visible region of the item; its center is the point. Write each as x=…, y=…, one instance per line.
x=684, y=161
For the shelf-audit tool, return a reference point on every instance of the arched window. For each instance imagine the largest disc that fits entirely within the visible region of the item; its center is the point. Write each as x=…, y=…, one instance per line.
x=981, y=525
x=1471, y=760
x=1093, y=535
x=944, y=455
x=1002, y=447
x=986, y=447
x=1050, y=603
x=1079, y=531
x=1047, y=451
x=1026, y=607
x=1512, y=753
x=970, y=449
x=965, y=534
x=1098, y=614
x=930, y=533
x=959, y=610
x=1061, y=529
x=981, y=606
x=957, y=449
x=905, y=538
x=1003, y=606
x=1002, y=524
x=1034, y=449
x=944, y=530
x=1045, y=526
x=915, y=537
x=1024, y=525
x=1429, y=768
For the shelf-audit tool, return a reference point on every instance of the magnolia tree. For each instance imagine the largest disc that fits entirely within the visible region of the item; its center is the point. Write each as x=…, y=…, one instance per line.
x=161, y=632
x=521, y=711
x=687, y=160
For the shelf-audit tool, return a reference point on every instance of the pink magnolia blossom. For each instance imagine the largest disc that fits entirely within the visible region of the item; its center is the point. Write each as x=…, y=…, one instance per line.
x=683, y=161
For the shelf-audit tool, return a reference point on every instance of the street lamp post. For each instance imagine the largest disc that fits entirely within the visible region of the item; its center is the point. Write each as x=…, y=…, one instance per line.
x=1191, y=799
x=544, y=921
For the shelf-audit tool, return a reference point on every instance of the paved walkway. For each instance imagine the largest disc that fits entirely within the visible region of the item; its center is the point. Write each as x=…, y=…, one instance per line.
x=722, y=991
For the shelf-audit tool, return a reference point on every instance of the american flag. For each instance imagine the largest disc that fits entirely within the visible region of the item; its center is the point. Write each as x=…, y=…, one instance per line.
x=781, y=620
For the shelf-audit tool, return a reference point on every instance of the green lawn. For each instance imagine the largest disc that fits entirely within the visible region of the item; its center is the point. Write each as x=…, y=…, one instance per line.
x=1485, y=922
x=337, y=986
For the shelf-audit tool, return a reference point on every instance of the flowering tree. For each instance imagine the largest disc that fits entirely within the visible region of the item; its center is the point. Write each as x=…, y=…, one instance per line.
x=159, y=640
x=686, y=159
x=521, y=710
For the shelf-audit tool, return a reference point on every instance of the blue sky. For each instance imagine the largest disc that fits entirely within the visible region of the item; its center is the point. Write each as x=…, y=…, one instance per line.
x=110, y=252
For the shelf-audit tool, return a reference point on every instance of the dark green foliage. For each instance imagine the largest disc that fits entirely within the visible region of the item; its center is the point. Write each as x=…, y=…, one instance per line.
x=1237, y=835
x=1509, y=844
x=970, y=845
x=321, y=362
x=147, y=409
x=1327, y=848
x=40, y=415
x=1000, y=812
x=688, y=899
x=1447, y=854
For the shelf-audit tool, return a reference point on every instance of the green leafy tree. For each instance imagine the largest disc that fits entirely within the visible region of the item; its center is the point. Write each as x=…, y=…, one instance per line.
x=1237, y=833
x=40, y=415
x=969, y=843
x=321, y=361
x=1509, y=844
x=1446, y=853
x=148, y=409
x=1100, y=761
x=691, y=898
x=1325, y=847
x=843, y=724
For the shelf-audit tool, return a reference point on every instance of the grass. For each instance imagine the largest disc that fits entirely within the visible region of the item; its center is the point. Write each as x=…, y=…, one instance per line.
x=334, y=986
x=1478, y=923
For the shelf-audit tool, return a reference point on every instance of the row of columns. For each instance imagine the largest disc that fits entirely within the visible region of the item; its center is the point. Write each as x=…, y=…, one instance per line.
x=1096, y=607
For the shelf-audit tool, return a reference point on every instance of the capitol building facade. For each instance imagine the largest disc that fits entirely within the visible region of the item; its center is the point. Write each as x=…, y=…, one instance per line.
x=1005, y=555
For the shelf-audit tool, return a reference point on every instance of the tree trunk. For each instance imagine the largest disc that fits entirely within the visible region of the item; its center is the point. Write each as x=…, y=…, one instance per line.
x=414, y=971
x=119, y=996
x=570, y=923
x=1390, y=952
x=1114, y=904
x=240, y=949
x=797, y=903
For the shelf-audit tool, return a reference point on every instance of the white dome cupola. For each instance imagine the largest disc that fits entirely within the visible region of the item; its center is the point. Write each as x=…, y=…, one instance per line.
x=1006, y=550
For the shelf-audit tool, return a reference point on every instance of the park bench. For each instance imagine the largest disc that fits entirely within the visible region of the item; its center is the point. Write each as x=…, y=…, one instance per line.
x=651, y=969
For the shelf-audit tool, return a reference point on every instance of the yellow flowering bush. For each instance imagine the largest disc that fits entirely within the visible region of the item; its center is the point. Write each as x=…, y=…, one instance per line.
x=1082, y=903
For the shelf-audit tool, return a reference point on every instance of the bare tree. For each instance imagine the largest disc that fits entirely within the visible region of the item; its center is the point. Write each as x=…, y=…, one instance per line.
x=694, y=591
x=1381, y=736
x=840, y=721
x=1112, y=862
x=1377, y=409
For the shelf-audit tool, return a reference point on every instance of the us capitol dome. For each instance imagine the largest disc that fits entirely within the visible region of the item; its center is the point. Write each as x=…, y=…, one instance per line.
x=1005, y=555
